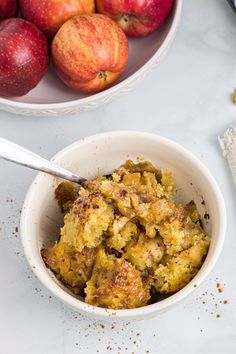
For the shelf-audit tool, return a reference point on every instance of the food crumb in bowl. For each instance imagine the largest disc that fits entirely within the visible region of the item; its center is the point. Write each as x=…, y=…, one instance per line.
x=124, y=237
x=206, y=216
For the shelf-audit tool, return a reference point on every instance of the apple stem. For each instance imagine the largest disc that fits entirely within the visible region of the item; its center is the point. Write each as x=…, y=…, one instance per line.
x=103, y=75
x=125, y=18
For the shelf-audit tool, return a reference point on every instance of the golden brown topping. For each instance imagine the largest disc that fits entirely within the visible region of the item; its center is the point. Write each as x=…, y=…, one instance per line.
x=145, y=253
x=70, y=266
x=181, y=268
x=66, y=193
x=143, y=242
x=122, y=231
x=116, y=284
x=87, y=221
x=144, y=166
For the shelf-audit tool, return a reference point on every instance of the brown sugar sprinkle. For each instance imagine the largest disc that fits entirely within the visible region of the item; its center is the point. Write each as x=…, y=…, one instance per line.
x=219, y=288
x=218, y=316
x=225, y=302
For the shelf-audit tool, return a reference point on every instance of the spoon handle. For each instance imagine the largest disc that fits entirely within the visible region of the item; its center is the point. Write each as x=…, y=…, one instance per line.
x=15, y=153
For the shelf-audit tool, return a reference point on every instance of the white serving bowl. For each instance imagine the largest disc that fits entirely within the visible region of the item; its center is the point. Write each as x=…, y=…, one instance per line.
x=51, y=97
x=101, y=154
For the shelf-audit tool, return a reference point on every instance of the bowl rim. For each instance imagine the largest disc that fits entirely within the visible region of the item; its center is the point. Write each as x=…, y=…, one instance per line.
x=112, y=90
x=145, y=310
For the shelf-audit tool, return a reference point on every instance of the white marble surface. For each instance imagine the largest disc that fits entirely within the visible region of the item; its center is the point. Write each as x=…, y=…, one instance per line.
x=187, y=98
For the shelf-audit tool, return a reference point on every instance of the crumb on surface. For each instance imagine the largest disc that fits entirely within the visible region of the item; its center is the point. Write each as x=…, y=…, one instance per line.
x=219, y=287
x=234, y=97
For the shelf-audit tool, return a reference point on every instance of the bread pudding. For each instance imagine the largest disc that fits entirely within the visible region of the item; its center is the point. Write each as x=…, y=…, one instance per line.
x=125, y=238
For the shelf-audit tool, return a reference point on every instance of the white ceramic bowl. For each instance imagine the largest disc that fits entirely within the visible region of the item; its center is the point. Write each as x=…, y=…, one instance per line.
x=51, y=97
x=101, y=154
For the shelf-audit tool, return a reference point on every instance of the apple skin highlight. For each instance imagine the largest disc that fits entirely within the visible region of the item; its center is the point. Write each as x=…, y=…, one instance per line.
x=94, y=57
x=49, y=15
x=136, y=18
x=23, y=57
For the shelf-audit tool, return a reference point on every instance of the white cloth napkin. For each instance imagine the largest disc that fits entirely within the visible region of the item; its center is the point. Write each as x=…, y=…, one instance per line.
x=228, y=145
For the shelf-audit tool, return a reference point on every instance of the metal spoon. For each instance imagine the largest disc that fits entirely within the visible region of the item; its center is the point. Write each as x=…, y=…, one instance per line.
x=15, y=153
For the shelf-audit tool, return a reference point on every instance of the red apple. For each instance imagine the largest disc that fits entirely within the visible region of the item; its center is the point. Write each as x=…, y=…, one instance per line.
x=136, y=17
x=23, y=56
x=49, y=15
x=89, y=52
x=8, y=8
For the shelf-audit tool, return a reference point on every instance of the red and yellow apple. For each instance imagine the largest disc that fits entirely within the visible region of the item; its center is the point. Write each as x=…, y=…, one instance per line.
x=49, y=15
x=8, y=8
x=89, y=52
x=137, y=18
x=23, y=56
